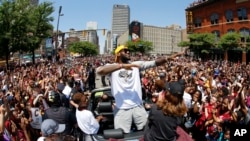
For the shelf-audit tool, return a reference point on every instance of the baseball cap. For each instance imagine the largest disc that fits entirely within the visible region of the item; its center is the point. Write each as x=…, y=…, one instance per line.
x=175, y=88
x=50, y=126
x=118, y=49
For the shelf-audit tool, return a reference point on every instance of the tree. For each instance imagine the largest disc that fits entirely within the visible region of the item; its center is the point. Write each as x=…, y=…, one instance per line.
x=229, y=41
x=248, y=42
x=83, y=48
x=23, y=26
x=184, y=44
x=140, y=46
x=40, y=26
x=7, y=21
x=200, y=43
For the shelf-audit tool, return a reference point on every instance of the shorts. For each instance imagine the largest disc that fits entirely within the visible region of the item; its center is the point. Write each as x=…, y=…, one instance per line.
x=123, y=118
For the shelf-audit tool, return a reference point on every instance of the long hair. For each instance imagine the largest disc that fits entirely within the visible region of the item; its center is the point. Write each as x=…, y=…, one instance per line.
x=84, y=103
x=172, y=105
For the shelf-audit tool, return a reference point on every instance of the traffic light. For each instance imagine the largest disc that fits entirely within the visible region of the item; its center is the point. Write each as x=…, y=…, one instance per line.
x=103, y=32
x=84, y=33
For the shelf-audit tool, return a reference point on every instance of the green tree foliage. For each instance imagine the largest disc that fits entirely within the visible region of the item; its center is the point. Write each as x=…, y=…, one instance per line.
x=23, y=26
x=184, y=44
x=6, y=24
x=229, y=41
x=247, y=42
x=202, y=41
x=40, y=27
x=83, y=48
x=140, y=46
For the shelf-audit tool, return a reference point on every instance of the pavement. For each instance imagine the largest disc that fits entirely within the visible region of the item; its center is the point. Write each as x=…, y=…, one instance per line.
x=98, y=81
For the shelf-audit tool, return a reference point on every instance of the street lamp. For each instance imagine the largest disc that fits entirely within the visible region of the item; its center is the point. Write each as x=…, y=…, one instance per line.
x=58, y=21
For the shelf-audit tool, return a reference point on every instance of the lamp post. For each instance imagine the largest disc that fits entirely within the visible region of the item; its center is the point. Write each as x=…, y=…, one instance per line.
x=58, y=21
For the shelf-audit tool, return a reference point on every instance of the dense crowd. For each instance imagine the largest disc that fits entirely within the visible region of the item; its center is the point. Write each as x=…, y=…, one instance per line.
x=216, y=94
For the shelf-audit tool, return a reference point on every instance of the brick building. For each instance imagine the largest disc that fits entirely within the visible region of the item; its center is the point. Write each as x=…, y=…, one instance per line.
x=220, y=17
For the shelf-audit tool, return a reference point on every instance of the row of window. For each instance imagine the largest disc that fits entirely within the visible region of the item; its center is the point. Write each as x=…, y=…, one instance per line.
x=214, y=18
x=243, y=32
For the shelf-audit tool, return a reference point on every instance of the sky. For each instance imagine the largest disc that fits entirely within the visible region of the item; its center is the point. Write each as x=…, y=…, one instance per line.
x=76, y=13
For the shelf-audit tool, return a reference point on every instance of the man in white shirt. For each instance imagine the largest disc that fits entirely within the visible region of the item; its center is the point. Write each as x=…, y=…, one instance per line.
x=126, y=87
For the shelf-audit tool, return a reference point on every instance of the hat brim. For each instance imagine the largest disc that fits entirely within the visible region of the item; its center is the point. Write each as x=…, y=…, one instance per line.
x=119, y=48
x=61, y=128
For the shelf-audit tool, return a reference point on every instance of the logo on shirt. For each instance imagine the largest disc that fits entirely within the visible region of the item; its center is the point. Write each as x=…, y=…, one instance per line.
x=125, y=74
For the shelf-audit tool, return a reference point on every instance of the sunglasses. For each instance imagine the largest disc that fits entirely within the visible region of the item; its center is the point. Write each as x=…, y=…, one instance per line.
x=126, y=50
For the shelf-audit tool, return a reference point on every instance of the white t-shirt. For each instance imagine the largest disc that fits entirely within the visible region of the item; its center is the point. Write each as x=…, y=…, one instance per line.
x=66, y=91
x=126, y=85
x=87, y=122
x=187, y=99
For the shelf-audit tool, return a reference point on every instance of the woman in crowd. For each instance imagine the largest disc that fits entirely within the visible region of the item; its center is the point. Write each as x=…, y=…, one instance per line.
x=166, y=115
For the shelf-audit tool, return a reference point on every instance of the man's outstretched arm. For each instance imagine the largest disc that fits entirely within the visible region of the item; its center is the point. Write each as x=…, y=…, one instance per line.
x=164, y=60
x=107, y=69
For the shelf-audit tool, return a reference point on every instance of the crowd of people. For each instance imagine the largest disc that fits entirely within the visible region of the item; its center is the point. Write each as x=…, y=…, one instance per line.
x=216, y=94
x=41, y=100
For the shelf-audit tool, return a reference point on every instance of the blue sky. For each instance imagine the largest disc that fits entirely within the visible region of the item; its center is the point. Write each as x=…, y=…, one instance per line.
x=150, y=12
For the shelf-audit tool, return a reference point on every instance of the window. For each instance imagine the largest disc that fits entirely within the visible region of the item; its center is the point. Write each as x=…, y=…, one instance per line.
x=230, y=30
x=244, y=32
x=197, y=22
x=217, y=33
x=229, y=15
x=214, y=19
x=242, y=14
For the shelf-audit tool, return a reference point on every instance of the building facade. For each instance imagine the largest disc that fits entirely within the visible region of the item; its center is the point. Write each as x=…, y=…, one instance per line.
x=164, y=39
x=89, y=35
x=120, y=20
x=220, y=17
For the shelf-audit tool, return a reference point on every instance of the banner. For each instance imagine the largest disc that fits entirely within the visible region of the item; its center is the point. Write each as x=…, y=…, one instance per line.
x=48, y=42
x=135, y=31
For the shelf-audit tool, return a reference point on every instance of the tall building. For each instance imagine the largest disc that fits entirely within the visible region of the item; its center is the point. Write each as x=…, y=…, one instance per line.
x=120, y=21
x=220, y=17
x=108, y=43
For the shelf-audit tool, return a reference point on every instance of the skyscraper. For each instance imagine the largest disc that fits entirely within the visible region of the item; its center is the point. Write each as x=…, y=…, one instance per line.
x=120, y=21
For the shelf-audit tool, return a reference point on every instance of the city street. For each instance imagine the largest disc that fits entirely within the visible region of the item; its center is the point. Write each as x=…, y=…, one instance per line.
x=98, y=81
